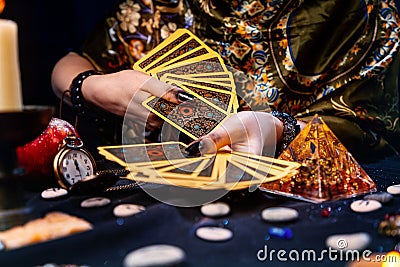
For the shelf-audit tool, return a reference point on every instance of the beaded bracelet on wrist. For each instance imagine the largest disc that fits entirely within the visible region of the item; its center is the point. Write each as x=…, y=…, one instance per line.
x=290, y=130
x=77, y=99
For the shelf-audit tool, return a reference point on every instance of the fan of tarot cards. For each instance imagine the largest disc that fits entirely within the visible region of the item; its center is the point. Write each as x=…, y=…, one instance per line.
x=168, y=163
x=185, y=61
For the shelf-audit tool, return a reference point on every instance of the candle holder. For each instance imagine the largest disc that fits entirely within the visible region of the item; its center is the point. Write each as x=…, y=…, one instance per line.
x=17, y=128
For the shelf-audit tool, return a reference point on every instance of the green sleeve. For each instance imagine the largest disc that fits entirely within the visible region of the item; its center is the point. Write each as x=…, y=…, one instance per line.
x=364, y=115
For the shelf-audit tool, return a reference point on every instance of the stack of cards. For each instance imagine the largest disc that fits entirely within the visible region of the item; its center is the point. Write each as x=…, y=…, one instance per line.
x=168, y=163
x=185, y=61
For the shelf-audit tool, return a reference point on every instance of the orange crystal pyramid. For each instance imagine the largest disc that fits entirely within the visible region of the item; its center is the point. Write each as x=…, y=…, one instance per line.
x=328, y=170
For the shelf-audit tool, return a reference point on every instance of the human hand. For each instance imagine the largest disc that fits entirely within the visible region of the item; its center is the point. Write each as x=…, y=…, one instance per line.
x=115, y=92
x=247, y=131
x=122, y=93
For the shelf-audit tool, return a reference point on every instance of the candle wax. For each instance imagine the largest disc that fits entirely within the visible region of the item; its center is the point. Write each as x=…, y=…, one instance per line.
x=10, y=81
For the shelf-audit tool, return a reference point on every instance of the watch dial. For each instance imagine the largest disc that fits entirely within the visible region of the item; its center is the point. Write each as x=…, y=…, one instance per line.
x=76, y=165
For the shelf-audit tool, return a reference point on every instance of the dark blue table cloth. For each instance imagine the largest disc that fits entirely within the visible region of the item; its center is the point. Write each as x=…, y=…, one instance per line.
x=113, y=238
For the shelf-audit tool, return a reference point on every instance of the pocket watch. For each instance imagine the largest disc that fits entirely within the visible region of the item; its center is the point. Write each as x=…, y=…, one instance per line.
x=73, y=162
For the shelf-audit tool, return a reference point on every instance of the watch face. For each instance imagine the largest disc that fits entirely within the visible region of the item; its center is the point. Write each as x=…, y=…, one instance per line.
x=76, y=165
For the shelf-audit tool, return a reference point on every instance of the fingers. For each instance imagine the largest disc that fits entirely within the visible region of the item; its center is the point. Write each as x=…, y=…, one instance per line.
x=232, y=131
x=247, y=131
x=139, y=114
x=166, y=91
x=209, y=144
x=153, y=86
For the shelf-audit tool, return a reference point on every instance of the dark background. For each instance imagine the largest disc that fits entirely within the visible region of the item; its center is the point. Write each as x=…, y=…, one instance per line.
x=47, y=30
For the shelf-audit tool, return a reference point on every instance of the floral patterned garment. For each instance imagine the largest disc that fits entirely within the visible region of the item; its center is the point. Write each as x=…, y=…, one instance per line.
x=335, y=58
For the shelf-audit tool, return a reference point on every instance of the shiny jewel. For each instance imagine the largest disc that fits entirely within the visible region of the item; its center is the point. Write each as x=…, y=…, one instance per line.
x=284, y=233
x=326, y=212
x=328, y=171
x=390, y=226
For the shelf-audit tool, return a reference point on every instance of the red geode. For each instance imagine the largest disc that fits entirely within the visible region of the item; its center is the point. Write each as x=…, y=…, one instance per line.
x=36, y=157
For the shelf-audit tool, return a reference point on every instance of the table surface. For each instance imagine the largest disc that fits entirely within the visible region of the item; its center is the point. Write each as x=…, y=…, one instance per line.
x=113, y=238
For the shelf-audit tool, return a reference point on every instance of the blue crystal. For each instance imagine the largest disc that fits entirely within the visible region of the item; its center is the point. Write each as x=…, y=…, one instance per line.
x=284, y=233
x=312, y=147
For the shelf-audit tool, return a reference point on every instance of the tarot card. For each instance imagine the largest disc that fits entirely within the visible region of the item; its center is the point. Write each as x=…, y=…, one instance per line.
x=260, y=171
x=208, y=65
x=237, y=178
x=257, y=173
x=236, y=175
x=222, y=77
x=267, y=162
x=188, y=52
x=200, y=170
x=189, y=48
x=200, y=175
x=146, y=178
x=207, y=89
x=230, y=87
x=230, y=177
x=197, y=55
x=221, y=100
x=142, y=153
x=150, y=168
x=223, y=171
x=179, y=37
x=194, y=118
x=223, y=82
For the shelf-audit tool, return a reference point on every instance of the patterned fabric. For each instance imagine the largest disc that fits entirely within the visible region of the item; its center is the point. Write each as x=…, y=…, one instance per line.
x=335, y=58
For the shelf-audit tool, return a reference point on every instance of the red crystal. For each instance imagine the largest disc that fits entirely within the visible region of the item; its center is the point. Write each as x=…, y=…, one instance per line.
x=36, y=157
x=326, y=212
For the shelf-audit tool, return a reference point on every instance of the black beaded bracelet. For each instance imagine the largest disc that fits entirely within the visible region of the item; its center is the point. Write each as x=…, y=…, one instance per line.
x=290, y=130
x=77, y=99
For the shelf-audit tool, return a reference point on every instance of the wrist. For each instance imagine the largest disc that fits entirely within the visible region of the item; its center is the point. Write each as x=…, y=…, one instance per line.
x=279, y=126
x=287, y=132
x=77, y=99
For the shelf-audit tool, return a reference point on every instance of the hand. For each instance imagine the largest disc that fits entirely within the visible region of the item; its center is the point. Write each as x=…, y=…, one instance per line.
x=120, y=93
x=123, y=92
x=247, y=131
x=78, y=168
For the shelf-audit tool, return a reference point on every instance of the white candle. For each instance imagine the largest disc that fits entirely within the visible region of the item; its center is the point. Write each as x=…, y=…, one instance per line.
x=10, y=81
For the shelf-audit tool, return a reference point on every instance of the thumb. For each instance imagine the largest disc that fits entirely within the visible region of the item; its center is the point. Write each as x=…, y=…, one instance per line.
x=231, y=131
x=209, y=144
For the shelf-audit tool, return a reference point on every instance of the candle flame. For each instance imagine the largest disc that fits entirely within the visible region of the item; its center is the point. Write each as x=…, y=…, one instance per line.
x=2, y=5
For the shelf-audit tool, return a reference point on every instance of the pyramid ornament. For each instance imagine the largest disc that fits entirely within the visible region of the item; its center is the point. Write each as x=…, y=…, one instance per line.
x=328, y=171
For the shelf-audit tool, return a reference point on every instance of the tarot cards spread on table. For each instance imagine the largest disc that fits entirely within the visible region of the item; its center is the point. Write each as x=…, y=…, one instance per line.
x=167, y=163
x=185, y=61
